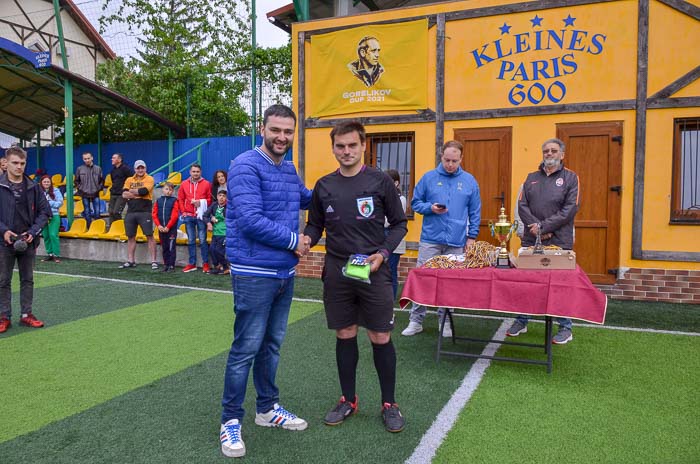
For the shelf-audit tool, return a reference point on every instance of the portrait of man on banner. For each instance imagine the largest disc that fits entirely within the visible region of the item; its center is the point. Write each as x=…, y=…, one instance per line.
x=367, y=67
x=378, y=67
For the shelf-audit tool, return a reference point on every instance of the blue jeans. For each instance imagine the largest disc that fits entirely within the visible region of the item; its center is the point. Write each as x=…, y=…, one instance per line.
x=564, y=323
x=394, y=266
x=192, y=223
x=91, y=208
x=261, y=306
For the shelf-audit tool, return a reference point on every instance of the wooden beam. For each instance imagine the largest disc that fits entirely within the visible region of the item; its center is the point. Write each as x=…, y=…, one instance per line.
x=640, y=127
x=518, y=8
x=675, y=86
x=301, y=104
x=431, y=21
x=440, y=87
x=683, y=256
x=423, y=116
x=680, y=102
x=684, y=7
x=590, y=107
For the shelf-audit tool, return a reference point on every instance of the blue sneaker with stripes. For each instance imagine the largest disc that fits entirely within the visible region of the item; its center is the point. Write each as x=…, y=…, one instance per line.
x=280, y=417
x=231, y=442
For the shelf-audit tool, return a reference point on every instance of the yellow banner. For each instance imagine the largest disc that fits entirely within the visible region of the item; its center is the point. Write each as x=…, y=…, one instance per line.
x=369, y=68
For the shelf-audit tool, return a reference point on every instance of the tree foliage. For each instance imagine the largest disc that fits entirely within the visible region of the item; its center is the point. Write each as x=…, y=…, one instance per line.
x=194, y=48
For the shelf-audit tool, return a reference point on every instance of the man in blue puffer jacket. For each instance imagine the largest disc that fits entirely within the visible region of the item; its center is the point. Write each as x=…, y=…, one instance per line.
x=265, y=195
x=448, y=198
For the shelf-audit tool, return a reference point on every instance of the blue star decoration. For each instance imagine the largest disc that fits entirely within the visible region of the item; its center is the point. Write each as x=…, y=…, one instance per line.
x=505, y=29
x=569, y=21
x=536, y=21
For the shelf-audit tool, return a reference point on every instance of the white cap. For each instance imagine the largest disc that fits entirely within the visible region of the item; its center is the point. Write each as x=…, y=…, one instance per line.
x=139, y=163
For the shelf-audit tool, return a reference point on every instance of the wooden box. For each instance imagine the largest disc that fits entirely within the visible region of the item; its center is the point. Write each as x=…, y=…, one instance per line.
x=551, y=259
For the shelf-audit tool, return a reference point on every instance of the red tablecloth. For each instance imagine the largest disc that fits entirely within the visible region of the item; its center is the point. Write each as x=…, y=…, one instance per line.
x=560, y=293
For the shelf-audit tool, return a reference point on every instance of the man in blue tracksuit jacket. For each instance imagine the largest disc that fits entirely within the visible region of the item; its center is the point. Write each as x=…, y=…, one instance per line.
x=448, y=198
x=265, y=194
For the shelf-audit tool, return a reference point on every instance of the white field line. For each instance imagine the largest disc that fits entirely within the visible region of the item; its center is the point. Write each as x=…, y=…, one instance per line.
x=445, y=420
x=308, y=300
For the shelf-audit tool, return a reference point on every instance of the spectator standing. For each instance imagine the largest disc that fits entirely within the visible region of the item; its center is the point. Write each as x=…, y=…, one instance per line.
x=261, y=240
x=194, y=196
x=138, y=193
x=215, y=217
x=218, y=183
x=395, y=257
x=89, y=182
x=3, y=165
x=119, y=173
x=24, y=211
x=165, y=216
x=351, y=204
x=50, y=230
x=548, y=203
x=448, y=198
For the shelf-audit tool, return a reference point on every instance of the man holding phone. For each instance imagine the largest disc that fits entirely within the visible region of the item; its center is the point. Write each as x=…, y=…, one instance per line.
x=448, y=198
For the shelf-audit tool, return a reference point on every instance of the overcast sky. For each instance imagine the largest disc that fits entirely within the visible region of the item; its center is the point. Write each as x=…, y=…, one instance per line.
x=124, y=44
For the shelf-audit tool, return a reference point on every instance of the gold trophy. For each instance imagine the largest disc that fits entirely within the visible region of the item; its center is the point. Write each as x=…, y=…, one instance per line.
x=503, y=231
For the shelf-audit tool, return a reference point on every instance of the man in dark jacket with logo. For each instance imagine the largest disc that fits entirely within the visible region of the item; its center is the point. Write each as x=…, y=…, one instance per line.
x=547, y=205
x=89, y=182
x=120, y=172
x=24, y=211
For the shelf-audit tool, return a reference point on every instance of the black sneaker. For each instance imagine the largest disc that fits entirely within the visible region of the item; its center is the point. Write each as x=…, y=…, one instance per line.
x=343, y=409
x=393, y=420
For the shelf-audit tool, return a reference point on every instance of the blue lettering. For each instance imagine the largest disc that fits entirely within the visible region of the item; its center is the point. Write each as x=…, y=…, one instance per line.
x=568, y=61
x=521, y=44
x=538, y=40
x=499, y=51
x=551, y=34
x=540, y=67
x=521, y=72
x=555, y=66
x=597, y=43
x=576, y=38
x=506, y=66
x=480, y=58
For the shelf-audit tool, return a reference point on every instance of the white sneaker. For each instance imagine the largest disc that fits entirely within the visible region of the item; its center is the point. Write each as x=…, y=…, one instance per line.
x=412, y=329
x=280, y=417
x=447, y=330
x=231, y=442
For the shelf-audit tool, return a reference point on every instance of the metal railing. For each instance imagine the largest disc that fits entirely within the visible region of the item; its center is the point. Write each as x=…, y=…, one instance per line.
x=169, y=164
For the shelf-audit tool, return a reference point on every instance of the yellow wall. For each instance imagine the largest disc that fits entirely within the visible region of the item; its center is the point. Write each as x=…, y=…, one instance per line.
x=608, y=75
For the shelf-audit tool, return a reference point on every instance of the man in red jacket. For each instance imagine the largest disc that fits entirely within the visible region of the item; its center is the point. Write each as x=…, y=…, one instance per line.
x=193, y=197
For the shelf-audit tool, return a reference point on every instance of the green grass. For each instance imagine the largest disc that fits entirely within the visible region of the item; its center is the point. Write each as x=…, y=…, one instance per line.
x=613, y=397
x=74, y=366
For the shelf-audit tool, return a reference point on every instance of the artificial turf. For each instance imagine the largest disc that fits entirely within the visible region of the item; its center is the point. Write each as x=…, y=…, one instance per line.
x=614, y=397
x=652, y=315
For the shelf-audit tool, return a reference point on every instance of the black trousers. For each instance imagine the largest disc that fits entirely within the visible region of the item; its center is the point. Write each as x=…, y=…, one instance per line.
x=217, y=251
x=168, y=242
x=25, y=264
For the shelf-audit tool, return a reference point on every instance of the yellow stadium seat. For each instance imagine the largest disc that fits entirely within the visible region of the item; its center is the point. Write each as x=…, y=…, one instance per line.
x=32, y=176
x=105, y=195
x=181, y=235
x=175, y=178
x=209, y=236
x=156, y=235
x=78, y=228
x=77, y=208
x=108, y=181
x=97, y=228
x=116, y=231
x=57, y=180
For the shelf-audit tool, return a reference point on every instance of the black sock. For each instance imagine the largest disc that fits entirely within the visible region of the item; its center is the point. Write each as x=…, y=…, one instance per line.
x=385, y=363
x=346, y=356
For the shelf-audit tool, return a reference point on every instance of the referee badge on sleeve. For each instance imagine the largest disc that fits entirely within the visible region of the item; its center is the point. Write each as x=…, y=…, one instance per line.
x=365, y=206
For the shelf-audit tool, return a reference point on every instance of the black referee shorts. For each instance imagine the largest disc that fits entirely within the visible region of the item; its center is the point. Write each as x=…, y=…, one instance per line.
x=348, y=302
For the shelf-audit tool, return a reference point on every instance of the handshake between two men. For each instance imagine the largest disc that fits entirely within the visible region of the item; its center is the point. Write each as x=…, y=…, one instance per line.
x=304, y=246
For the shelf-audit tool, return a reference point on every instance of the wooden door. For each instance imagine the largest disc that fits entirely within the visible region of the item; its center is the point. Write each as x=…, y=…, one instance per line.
x=487, y=156
x=594, y=152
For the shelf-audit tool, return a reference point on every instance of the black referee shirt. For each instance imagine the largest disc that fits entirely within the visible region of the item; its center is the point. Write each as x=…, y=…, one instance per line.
x=352, y=211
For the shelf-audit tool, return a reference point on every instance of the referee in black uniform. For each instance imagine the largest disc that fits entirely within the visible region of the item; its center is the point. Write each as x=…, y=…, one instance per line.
x=351, y=204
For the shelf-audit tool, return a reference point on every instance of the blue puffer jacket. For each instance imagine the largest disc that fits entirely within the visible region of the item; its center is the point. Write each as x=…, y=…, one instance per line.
x=262, y=218
x=460, y=193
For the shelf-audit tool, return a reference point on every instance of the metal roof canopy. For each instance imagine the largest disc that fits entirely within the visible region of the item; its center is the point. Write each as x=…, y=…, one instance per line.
x=32, y=94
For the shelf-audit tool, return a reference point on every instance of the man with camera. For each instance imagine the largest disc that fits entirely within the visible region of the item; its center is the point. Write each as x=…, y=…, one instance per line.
x=24, y=211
